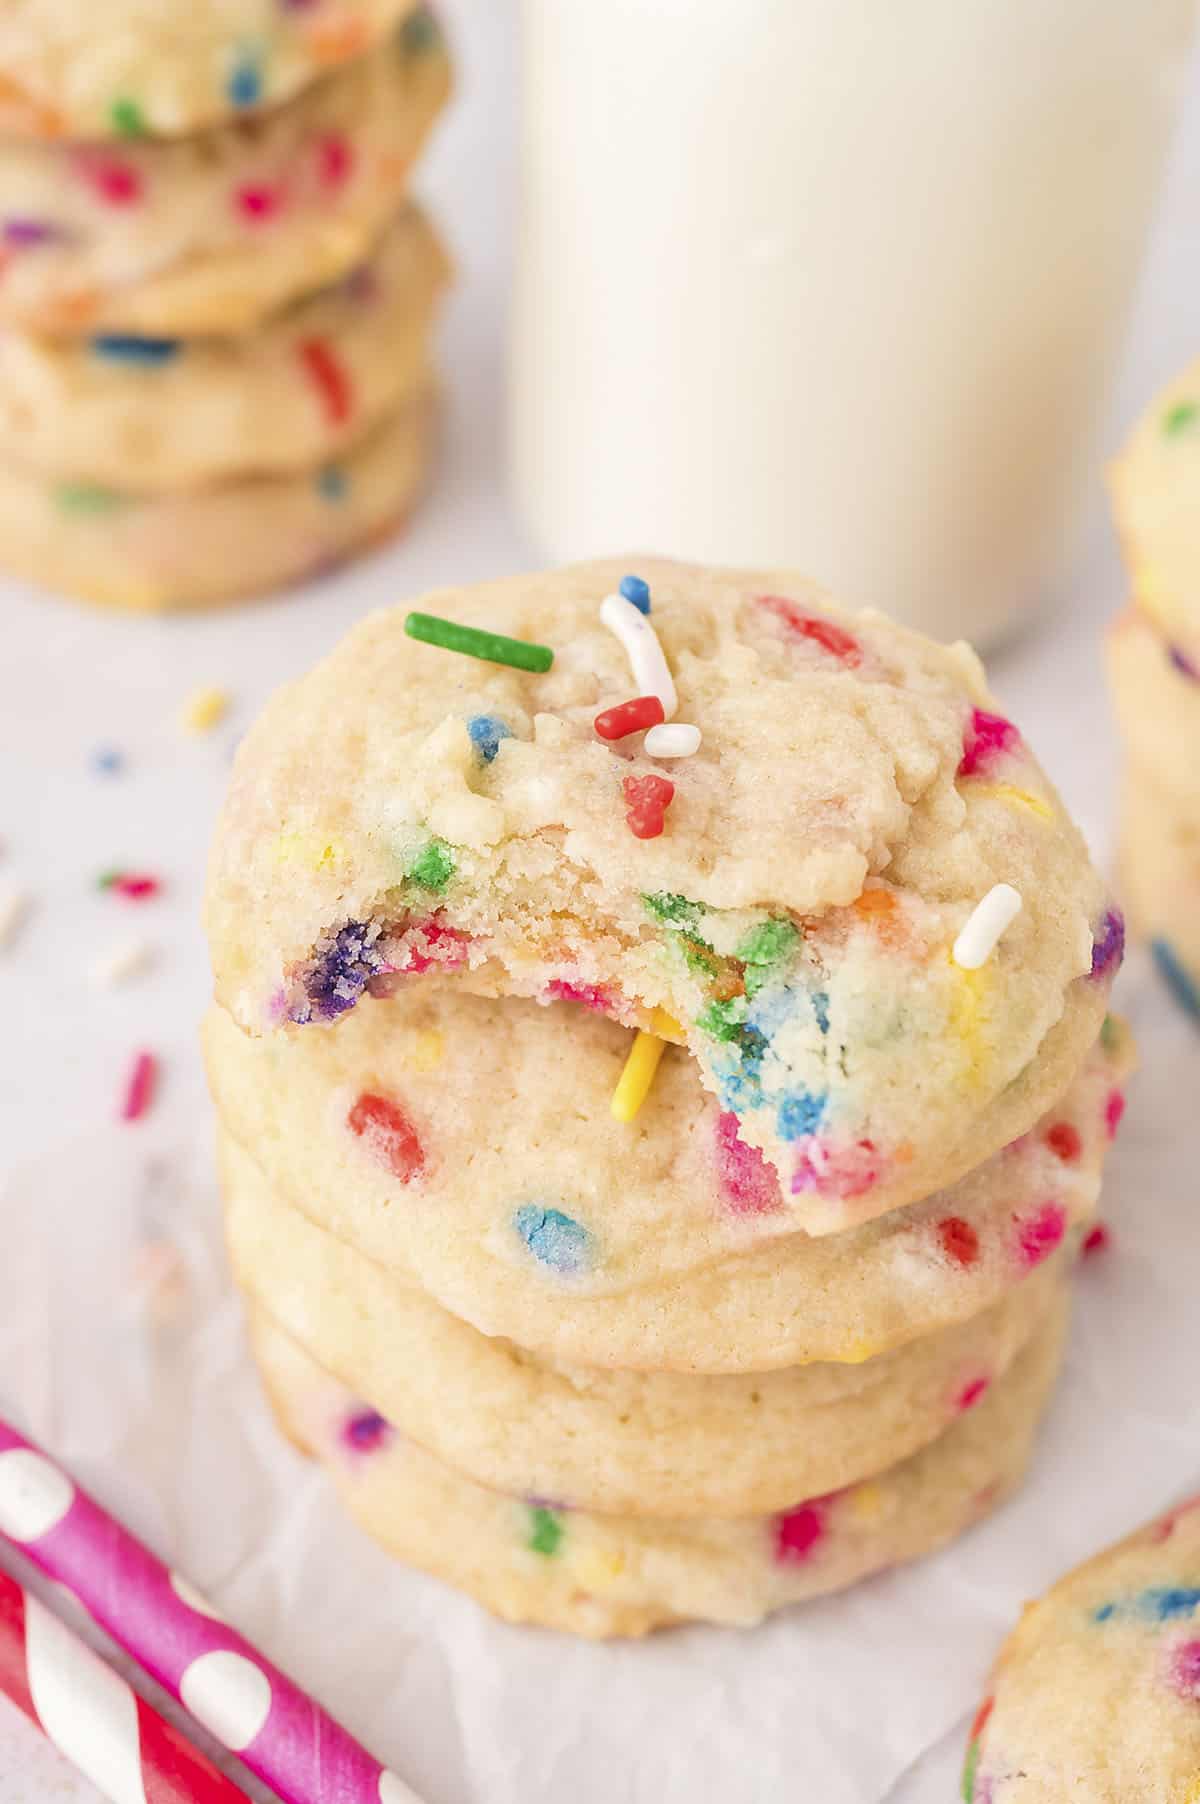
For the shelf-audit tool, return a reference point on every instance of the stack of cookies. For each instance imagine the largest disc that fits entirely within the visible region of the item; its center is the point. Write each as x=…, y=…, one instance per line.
x=1154, y=670
x=216, y=298
x=664, y=1073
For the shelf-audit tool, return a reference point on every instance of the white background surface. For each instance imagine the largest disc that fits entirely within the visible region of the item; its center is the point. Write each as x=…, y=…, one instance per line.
x=852, y=1702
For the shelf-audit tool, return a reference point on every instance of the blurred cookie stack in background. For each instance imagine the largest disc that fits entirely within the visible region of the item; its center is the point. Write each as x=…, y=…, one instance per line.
x=216, y=297
x=1154, y=670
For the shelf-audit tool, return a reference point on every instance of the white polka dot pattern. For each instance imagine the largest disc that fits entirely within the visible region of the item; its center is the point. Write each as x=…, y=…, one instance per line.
x=229, y=1695
x=34, y=1495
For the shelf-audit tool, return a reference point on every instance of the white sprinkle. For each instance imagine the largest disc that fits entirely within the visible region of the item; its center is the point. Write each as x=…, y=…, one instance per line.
x=651, y=675
x=987, y=921
x=14, y=906
x=678, y=741
x=121, y=964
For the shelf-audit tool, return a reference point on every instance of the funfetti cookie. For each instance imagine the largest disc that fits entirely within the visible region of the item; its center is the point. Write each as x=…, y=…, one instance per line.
x=1156, y=694
x=211, y=234
x=1155, y=487
x=468, y=1146
x=150, y=415
x=1096, y=1693
x=1160, y=882
x=530, y=1561
x=649, y=1443
x=128, y=68
x=839, y=876
x=229, y=542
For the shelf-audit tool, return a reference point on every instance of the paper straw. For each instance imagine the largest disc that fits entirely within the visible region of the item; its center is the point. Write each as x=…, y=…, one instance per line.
x=93, y=1717
x=243, y=1700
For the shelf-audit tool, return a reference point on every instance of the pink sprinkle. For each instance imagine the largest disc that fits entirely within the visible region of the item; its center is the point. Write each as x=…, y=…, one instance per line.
x=831, y=638
x=1114, y=1108
x=139, y=1092
x=987, y=737
x=971, y=1393
x=259, y=203
x=750, y=1184
x=117, y=183
x=1038, y=1235
x=593, y=996
x=1097, y=1240
x=1185, y=1669
x=335, y=159
x=441, y=948
x=135, y=888
x=798, y=1532
x=841, y=1171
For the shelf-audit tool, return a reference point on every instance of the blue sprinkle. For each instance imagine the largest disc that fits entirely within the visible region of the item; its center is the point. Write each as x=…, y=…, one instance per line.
x=122, y=347
x=636, y=591
x=1164, y=1603
x=1104, y=1612
x=554, y=1239
x=799, y=1114
x=331, y=482
x=1179, y=980
x=245, y=85
x=820, y=1003
x=107, y=760
x=486, y=732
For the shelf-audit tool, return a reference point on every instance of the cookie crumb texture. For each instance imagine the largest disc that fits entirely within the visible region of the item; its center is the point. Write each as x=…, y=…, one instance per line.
x=855, y=794
x=1096, y=1693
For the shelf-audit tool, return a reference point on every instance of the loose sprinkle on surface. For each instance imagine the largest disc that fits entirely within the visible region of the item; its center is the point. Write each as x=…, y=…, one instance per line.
x=472, y=642
x=139, y=1090
x=989, y=919
x=203, y=709
x=633, y=1085
x=636, y=716
x=121, y=964
x=639, y=641
x=134, y=886
x=14, y=906
x=679, y=740
x=107, y=761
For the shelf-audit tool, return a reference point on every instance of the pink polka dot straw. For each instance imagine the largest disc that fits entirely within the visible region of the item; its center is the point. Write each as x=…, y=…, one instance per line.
x=244, y=1701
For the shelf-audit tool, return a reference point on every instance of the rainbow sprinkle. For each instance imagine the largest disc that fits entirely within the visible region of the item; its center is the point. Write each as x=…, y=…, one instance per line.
x=988, y=920
x=472, y=642
x=139, y=1090
x=203, y=709
x=635, y=1081
x=554, y=1239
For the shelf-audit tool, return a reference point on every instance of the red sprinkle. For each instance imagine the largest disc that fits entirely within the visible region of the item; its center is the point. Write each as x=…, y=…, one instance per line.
x=139, y=1091
x=389, y=1134
x=831, y=638
x=646, y=802
x=971, y=1393
x=135, y=888
x=797, y=1533
x=330, y=379
x=335, y=159
x=115, y=182
x=630, y=717
x=1114, y=1108
x=1064, y=1140
x=959, y=1240
x=259, y=203
x=1097, y=1240
x=1038, y=1235
x=981, y=1716
x=987, y=737
x=750, y=1184
x=444, y=948
x=594, y=996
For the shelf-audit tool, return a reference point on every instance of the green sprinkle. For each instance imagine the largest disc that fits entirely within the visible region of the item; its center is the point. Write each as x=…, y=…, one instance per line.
x=1110, y=1033
x=545, y=1531
x=723, y=1020
x=419, y=32
x=433, y=866
x=767, y=943
x=698, y=955
x=84, y=498
x=127, y=118
x=676, y=911
x=106, y=879
x=493, y=648
x=969, y=1770
x=1177, y=419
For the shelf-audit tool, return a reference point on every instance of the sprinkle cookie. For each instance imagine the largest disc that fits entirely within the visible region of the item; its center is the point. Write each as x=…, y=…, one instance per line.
x=151, y=415
x=1160, y=880
x=1096, y=1693
x=536, y=1215
x=786, y=900
x=210, y=234
x=238, y=539
x=646, y=1443
x=529, y=1560
x=1156, y=693
x=1156, y=498
x=128, y=68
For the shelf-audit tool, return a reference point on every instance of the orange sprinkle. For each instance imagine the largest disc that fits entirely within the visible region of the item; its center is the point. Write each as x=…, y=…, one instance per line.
x=333, y=42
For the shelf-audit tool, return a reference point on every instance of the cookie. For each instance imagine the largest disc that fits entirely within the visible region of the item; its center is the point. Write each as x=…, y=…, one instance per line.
x=1096, y=1693
x=647, y=1443
x=1155, y=486
x=162, y=415
x=530, y=1561
x=125, y=68
x=1160, y=881
x=467, y=1145
x=179, y=238
x=1156, y=694
x=226, y=543
x=855, y=799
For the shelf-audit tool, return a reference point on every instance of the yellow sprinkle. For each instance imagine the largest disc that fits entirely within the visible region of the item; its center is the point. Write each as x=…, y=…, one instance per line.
x=307, y=849
x=426, y=1049
x=1020, y=798
x=633, y=1085
x=858, y=1351
x=968, y=1012
x=866, y=1501
x=597, y=1568
x=204, y=709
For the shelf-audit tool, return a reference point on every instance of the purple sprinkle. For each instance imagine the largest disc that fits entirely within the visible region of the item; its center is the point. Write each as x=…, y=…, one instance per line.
x=1183, y=664
x=1108, y=946
x=29, y=231
x=366, y=1431
x=338, y=973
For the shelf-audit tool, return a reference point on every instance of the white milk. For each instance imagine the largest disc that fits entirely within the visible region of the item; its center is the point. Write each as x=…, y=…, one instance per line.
x=835, y=284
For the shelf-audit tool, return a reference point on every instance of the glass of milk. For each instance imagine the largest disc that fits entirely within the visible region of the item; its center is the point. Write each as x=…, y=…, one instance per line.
x=832, y=284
